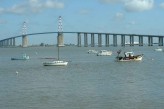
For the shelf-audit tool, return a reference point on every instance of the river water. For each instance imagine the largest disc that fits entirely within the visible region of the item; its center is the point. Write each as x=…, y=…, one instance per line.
x=88, y=82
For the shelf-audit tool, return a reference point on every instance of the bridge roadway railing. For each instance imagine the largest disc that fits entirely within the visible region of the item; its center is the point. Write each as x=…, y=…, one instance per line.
x=108, y=36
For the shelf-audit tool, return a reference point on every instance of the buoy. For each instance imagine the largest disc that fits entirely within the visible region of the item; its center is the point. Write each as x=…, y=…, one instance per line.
x=17, y=72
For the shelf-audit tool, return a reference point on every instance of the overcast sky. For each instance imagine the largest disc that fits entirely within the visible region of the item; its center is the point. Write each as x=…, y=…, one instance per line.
x=116, y=16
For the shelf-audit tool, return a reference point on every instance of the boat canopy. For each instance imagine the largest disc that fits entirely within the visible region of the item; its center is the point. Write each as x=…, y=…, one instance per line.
x=128, y=54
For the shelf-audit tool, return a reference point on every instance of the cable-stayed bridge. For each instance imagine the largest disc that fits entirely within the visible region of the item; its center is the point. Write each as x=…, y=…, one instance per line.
x=113, y=39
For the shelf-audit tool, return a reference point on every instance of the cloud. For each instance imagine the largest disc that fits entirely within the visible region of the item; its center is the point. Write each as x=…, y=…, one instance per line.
x=37, y=6
x=84, y=12
x=162, y=5
x=33, y=6
x=1, y=10
x=132, y=23
x=111, y=1
x=119, y=16
x=132, y=5
x=3, y=21
x=17, y=9
x=138, y=5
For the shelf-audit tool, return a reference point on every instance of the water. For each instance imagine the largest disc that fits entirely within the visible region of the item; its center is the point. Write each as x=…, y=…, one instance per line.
x=88, y=82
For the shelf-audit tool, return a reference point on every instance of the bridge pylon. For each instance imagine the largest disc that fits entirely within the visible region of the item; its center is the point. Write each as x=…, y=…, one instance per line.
x=60, y=37
x=24, y=35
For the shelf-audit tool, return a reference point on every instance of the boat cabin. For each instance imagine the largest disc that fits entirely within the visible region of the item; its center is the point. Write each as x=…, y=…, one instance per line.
x=129, y=54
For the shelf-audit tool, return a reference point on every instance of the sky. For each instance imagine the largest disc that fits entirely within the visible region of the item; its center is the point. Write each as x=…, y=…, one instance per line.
x=112, y=16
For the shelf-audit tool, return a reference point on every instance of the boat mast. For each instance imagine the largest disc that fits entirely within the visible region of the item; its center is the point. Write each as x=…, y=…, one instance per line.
x=58, y=52
x=60, y=31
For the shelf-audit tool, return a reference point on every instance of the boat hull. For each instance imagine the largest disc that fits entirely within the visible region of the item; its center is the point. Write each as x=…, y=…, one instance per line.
x=158, y=50
x=55, y=63
x=108, y=54
x=18, y=59
x=104, y=53
x=92, y=52
x=124, y=59
x=21, y=58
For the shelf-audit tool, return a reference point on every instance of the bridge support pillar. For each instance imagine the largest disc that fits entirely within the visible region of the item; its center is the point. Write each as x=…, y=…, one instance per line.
x=6, y=42
x=131, y=40
x=13, y=44
x=85, y=40
x=24, y=41
x=114, y=40
x=160, y=42
x=60, y=40
x=3, y=43
x=79, y=39
x=99, y=40
x=140, y=40
x=150, y=41
x=107, y=40
x=0, y=43
x=122, y=40
x=92, y=40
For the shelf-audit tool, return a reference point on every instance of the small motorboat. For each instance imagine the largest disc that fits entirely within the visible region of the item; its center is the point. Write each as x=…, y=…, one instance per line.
x=128, y=56
x=104, y=53
x=92, y=51
x=158, y=49
x=23, y=57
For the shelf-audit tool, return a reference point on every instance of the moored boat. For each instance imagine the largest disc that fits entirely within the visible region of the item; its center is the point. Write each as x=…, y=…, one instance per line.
x=55, y=63
x=92, y=51
x=23, y=57
x=158, y=49
x=128, y=56
x=104, y=53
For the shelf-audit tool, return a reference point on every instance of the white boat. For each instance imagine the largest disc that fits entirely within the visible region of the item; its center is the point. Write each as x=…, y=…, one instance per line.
x=56, y=62
x=23, y=57
x=135, y=43
x=92, y=52
x=158, y=49
x=104, y=53
x=128, y=56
